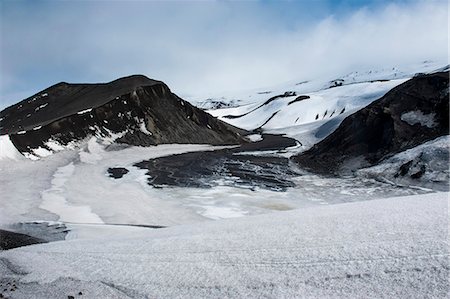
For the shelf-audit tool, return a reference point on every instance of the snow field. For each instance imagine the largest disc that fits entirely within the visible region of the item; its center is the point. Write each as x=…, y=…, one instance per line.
x=393, y=247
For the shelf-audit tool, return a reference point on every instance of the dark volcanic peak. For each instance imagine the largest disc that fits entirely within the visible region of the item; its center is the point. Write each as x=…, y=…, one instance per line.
x=134, y=110
x=64, y=99
x=409, y=115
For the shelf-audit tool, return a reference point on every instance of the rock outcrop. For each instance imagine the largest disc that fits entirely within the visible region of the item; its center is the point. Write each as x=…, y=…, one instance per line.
x=409, y=115
x=134, y=110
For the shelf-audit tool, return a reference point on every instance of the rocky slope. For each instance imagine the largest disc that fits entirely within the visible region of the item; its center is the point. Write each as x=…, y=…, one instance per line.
x=409, y=115
x=134, y=110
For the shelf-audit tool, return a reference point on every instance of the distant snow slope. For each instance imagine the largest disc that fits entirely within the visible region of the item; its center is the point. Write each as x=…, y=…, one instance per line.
x=393, y=248
x=309, y=111
x=306, y=85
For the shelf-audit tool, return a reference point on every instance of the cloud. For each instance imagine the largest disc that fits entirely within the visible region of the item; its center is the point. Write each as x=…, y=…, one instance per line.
x=209, y=47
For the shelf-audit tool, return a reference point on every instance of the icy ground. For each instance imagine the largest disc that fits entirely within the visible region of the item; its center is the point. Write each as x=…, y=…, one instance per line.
x=393, y=247
x=74, y=186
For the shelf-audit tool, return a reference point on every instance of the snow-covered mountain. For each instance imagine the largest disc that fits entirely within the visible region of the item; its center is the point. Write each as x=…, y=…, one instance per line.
x=309, y=111
x=407, y=116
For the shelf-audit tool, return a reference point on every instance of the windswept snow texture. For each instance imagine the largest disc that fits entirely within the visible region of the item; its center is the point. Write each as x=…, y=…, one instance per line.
x=393, y=248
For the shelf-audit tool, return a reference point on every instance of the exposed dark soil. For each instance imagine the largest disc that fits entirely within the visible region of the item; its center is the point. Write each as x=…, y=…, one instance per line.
x=10, y=240
x=229, y=167
x=117, y=172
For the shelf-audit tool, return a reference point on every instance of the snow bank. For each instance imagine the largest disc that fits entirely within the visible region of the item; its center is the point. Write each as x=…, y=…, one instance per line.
x=8, y=150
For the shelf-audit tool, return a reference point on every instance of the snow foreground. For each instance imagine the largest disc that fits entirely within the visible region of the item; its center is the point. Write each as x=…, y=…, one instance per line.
x=393, y=247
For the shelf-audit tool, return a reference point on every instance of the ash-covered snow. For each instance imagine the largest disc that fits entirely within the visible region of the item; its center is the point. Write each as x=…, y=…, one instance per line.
x=394, y=247
x=130, y=200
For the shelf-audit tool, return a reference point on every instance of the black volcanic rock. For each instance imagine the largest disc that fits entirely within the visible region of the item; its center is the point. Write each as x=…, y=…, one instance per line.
x=10, y=240
x=143, y=111
x=408, y=115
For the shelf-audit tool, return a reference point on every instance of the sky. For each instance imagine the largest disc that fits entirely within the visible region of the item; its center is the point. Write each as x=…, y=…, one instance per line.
x=208, y=47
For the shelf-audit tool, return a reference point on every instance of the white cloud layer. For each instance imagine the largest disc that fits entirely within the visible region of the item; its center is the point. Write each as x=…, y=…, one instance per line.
x=208, y=47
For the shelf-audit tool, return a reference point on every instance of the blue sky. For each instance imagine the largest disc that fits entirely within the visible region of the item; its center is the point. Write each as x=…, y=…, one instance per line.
x=210, y=46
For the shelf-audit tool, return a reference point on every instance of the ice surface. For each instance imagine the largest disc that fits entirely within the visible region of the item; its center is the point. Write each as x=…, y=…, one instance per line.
x=394, y=247
x=53, y=200
x=89, y=190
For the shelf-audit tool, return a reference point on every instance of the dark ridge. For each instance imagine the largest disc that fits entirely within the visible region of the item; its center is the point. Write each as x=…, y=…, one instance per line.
x=64, y=99
x=298, y=99
x=272, y=116
x=285, y=95
x=378, y=131
x=144, y=111
x=10, y=240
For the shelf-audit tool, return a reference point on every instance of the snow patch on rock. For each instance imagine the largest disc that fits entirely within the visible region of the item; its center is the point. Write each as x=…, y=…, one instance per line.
x=85, y=111
x=418, y=117
x=254, y=137
x=8, y=150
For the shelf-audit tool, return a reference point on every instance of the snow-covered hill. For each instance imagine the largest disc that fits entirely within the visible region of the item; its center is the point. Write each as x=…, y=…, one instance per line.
x=312, y=110
x=229, y=99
